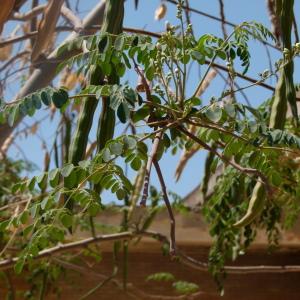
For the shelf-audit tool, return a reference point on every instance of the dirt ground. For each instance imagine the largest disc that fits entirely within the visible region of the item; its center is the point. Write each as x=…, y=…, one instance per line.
x=142, y=263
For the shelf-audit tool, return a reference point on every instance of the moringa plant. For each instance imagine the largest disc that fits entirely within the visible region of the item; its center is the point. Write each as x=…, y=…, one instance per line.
x=257, y=148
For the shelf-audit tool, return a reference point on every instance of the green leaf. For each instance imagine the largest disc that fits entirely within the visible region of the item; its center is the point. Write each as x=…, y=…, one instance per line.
x=66, y=170
x=13, y=115
x=104, y=43
x=123, y=112
x=36, y=101
x=120, y=194
x=129, y=142
x=42, y=181
x=136, y=164
x=252, y=126
x=22, y=109
x=19, y=265
x=46, y=203
x=184, y=287
x=94, y=209
x=221, y=54
x=116, y=148
x=162, y=276
x=46, y=97
x=214, y=113
x=24, y=217
x=140, y=114
x=230, y=110
x=71, y=180
x=54, y=177
x=3, y=225
x=149, y=73
x=106, y=68
x=84, y=164
x=34, y=209
x=31, y=183
x=27, y=230
x=66, y=220
x=106, y=155
x=119, y=42
x=276, y=178
x=59, y=98
x=120, y=69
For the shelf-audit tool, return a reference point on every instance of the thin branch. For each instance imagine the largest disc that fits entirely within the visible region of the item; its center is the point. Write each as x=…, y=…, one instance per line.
x=169, y=208
x=222, y=15
x=295, y=29
x=28, y=15
x=216, y=19
x=248, y=171
x=12, y=59
x=184, y=259
x=7, y=263
x=131, y=291
x=151, y=158
x=72, y=18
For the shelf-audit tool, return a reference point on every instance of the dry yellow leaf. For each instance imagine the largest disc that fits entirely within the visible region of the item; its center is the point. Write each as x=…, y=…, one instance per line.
x=70, y=79
x=5, y=52
x=5, y=11
x=160, y=12
x=46, y=161
x=46, y=28
x=34, y=128
x=185, y=156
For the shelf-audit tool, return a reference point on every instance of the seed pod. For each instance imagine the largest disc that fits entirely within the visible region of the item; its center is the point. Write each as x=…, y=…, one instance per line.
x=137, y=190
x=256, y=206
x=160, y=12
x=184, y=158
x=284, y=92
x=113, y=22
x=210, y=76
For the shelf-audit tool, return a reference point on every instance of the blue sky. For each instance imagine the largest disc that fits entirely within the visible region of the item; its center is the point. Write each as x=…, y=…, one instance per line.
x=236, y=11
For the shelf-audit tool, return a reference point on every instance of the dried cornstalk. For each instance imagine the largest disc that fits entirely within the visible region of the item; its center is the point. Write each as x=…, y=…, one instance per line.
x=187, y=154
x=46, y=28
x=274, y=20
x=5, y=11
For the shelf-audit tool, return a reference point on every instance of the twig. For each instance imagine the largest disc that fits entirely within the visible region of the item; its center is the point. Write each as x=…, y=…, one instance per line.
x=72, y=18
x=184, y=259
x=216, y=19
x=295, y=29
x=30, y=14
x=149, y=165
x=132, y=291
x=222, y=15
x=169, y=208
x=247, y=171
x=12, y=59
